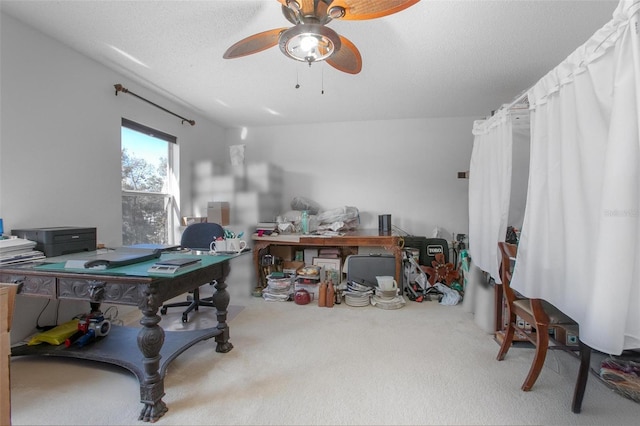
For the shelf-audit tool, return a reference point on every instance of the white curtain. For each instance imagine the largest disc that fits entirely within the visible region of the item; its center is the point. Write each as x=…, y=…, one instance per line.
x=490, y=185
x=580, y=242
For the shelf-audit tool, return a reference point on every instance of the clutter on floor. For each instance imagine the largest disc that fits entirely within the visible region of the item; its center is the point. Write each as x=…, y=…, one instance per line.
x=622, y=374
x=366, y=280
x=427, y=272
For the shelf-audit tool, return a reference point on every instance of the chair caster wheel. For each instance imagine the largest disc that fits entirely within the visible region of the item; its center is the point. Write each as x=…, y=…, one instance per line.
x=163, y=311
x=185, y=318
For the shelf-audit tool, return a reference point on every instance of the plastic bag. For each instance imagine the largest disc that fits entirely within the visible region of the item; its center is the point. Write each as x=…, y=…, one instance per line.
x=286, y=228
x=301, y=203
x=339, y=226
x=340, y=214
x=292, y=216
x=451, y=297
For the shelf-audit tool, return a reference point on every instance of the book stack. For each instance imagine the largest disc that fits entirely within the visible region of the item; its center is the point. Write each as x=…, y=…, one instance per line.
x=266, y=228
x=18, y=250
x=329, y=253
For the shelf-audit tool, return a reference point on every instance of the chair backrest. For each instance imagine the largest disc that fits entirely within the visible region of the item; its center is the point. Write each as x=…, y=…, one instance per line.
x=540, y=314
x=508, y=251
x=198, y=236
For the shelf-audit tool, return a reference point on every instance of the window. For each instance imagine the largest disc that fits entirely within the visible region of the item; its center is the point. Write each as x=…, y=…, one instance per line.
x=148, y=188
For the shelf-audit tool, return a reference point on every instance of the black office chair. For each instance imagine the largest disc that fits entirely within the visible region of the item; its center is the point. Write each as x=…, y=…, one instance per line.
x=197, y=236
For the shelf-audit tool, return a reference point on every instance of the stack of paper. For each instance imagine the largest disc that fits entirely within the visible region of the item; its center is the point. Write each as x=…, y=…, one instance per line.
x=266, y=228
x=18, y=250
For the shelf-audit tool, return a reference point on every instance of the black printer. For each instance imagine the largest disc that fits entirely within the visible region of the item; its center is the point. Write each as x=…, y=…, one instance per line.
x=59, y=240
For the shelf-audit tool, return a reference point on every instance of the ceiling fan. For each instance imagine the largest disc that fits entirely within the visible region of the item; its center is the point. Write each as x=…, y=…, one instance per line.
x=310, y=40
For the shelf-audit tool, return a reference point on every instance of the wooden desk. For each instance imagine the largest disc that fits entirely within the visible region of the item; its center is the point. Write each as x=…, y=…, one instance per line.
x=130, y=285
x=358, y=238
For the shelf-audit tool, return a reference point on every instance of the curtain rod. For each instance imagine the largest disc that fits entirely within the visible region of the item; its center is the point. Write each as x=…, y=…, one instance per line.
x=120, y=88
x=522, y=98
x=487, y=123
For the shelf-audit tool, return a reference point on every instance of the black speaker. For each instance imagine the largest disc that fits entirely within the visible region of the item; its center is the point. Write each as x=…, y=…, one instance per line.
x=384, y=223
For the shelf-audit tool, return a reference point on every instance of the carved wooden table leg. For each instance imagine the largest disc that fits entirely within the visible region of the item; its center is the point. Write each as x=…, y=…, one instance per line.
x=221, y=302
x=150, y=340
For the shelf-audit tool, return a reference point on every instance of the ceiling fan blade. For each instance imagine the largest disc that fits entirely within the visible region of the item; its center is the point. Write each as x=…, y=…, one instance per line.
x=347, y=59
x=254, y=44
x=359, y=10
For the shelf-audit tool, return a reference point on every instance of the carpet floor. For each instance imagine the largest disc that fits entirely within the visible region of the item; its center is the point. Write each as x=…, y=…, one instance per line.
x=423, y=364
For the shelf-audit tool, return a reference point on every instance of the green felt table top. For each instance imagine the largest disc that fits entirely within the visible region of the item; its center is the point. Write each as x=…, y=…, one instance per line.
x=139, y=269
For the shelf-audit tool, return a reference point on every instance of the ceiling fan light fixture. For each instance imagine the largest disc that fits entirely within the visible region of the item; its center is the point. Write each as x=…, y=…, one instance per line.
x=309, y=42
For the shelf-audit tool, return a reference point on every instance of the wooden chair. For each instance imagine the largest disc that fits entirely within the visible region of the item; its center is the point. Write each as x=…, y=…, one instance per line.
x=537, y=312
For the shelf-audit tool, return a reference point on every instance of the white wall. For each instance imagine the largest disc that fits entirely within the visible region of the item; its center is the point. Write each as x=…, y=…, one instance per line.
x=60, y=136
x=60, y=153
x=406, y=168
x=60, y=143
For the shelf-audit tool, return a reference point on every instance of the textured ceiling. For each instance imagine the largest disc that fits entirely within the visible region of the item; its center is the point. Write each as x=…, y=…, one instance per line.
x=434, y=59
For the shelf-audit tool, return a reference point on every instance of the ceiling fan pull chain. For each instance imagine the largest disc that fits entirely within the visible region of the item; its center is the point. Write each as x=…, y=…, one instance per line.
x=297, y=81
x=322, y=80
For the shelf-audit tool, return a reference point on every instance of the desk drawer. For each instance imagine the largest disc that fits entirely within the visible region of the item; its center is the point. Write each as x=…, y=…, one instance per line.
x=101, y=291
x=32, y=285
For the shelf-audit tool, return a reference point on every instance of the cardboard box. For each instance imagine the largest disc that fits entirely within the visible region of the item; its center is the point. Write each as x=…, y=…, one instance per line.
x=566, y=335
x=285, y=253
x=7, y=296
x=218, y=212
x=9, y=290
